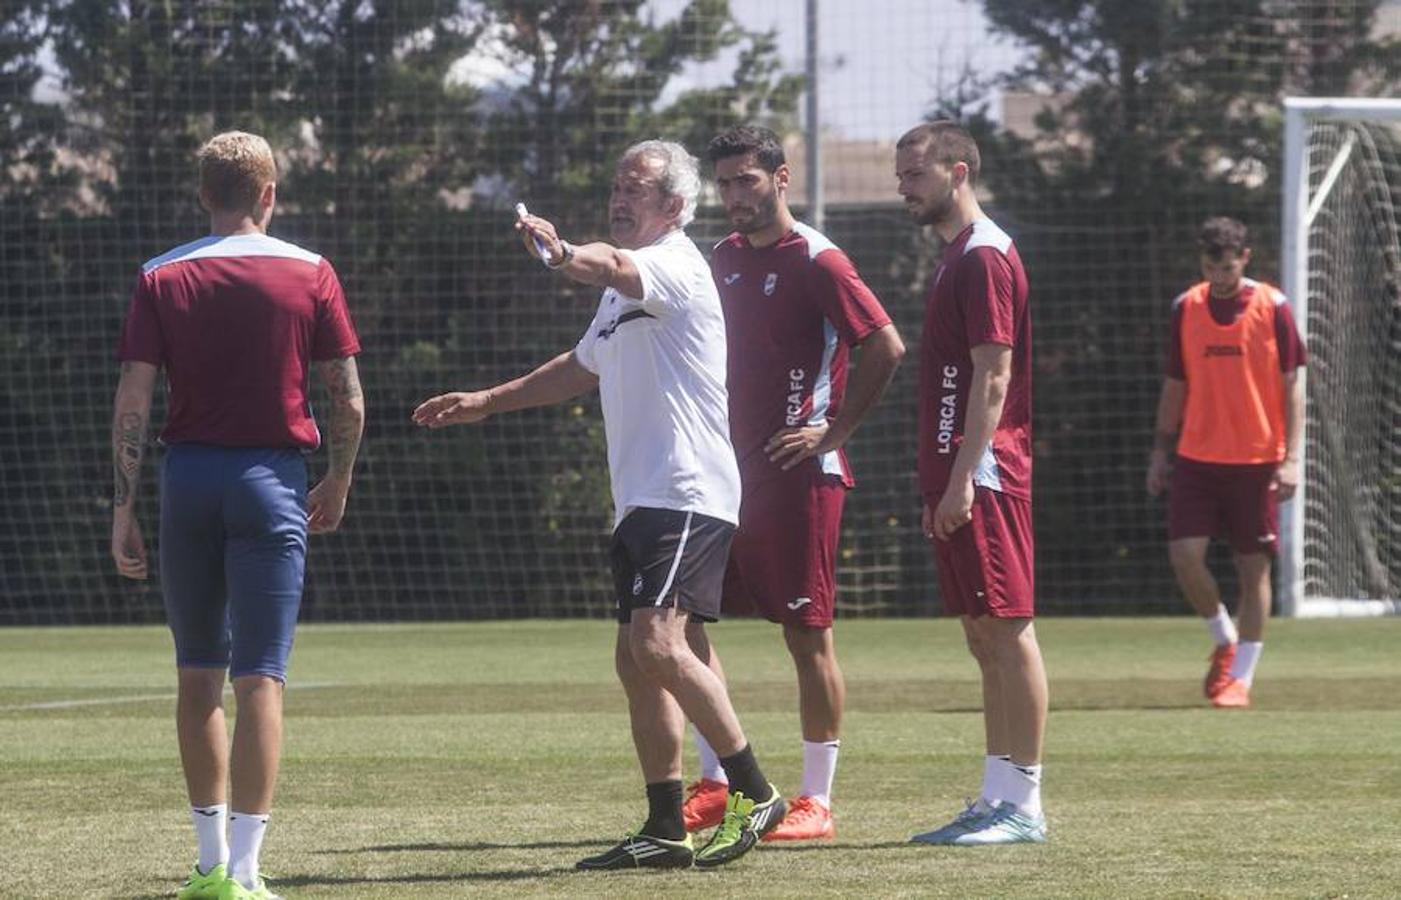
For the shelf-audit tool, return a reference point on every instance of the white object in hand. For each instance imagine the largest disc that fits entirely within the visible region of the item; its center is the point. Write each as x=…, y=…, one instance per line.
x=540, y=248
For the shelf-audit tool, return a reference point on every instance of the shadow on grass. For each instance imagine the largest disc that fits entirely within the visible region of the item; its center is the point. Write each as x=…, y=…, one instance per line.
x=464, y=848
x=441, y=878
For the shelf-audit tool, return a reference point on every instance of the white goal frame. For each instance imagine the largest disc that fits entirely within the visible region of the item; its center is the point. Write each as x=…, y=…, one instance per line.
x=1298, y=210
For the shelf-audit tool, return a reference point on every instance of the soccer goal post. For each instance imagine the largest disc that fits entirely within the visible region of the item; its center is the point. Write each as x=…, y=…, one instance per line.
x=1341, y=534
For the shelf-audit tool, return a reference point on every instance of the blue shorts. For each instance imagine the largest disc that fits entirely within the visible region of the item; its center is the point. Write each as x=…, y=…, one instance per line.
x=233, y=554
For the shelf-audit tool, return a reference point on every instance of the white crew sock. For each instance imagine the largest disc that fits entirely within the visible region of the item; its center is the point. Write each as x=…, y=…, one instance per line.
x=709, y=762
x=1023, y=788
x=1247, y=655
x=992, y=781
x=210, y=822
x=245, y=841
x=1223, y=630
x=819, y=768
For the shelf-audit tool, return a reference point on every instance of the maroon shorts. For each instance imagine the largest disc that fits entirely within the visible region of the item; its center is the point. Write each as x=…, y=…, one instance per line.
x=783, y=562
x=1237, y=502
x=987, y=567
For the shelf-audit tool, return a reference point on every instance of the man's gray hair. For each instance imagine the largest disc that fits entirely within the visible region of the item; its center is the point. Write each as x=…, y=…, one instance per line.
x=680, y=173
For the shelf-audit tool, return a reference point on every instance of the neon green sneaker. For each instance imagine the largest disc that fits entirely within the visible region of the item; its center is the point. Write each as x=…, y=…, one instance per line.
x=232, y=890
x=744, y=824
x=203, y=885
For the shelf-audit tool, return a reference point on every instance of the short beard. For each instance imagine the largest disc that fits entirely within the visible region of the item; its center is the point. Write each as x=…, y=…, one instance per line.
x=941, y=211
x=764, y=215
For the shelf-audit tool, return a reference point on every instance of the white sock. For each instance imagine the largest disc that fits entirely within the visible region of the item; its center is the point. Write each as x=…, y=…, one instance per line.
x=1223, y=630
x=992, y=780
x=819, y=768
x=245, y=841
x=709, y=762
x=1247, y=655
x=210, y=822
x=1023, y=788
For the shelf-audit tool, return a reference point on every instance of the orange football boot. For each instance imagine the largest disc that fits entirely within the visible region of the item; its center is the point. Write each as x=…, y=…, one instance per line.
x=1219, y=673
x=705, y=804
x=1235, y=695
x=807, y=820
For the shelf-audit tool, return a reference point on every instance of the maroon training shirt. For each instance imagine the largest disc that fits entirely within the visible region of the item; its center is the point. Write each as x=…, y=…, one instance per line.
x=236, y=322
x=793, y=310
x=979, y=296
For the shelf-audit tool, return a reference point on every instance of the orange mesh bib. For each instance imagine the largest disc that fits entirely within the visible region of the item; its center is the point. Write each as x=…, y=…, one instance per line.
x=1235, y=392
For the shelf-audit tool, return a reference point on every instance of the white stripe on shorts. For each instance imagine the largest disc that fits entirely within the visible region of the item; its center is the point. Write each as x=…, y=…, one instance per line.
x=675, y=563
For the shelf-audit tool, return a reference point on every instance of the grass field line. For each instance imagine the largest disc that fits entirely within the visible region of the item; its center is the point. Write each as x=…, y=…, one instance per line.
x=136, y=698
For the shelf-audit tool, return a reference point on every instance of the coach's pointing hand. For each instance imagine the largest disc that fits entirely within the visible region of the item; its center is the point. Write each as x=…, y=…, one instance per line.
x=457, y=408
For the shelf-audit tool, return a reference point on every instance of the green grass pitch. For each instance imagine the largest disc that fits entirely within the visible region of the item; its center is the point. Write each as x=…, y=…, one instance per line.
x=456, y=760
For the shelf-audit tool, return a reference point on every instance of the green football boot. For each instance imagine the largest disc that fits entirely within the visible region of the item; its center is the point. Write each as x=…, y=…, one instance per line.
x=203, y=885
x=232, y=890
x=744, y=824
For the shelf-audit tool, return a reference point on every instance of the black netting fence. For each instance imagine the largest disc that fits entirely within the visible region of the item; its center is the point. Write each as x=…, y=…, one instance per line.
x=406, y=130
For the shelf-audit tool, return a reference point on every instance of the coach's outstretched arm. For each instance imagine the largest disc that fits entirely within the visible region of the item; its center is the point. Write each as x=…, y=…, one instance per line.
x=130, y=415
x=325, y=503
x=560, y=379
x=599, y=264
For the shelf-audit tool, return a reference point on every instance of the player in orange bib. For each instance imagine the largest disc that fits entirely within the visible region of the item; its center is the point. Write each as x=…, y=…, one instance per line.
x=1233, y=405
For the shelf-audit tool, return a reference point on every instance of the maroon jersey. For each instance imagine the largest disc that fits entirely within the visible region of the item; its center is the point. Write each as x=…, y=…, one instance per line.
x=979, y=296
x=793, y=310
x=236, y=321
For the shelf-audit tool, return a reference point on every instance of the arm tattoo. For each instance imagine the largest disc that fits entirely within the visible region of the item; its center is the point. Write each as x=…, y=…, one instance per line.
x=128, y=446
x=347, y=414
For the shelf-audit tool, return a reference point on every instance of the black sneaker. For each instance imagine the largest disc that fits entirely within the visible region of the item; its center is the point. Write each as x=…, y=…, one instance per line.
x=744, y=824
x=639, y=851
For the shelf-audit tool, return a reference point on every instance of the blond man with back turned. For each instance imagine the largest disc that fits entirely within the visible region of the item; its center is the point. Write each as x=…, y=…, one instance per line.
x=236, y=319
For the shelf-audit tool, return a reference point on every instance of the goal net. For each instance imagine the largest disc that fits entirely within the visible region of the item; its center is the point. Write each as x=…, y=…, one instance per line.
x=1342, y=265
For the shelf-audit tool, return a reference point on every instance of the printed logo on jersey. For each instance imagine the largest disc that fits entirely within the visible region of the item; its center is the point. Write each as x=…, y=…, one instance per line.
x=794, y=409
x=1224, y=350
x=799, y=603
x=770, y=283
x=948, y=408
x=637, y=584
x=732, y=278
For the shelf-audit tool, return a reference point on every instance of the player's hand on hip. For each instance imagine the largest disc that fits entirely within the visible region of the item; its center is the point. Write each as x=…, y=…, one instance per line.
x=790, y=446
x=1159, y=470
x=457, y=408
x=954, y=511
x=128, y=546
x=325, y=504
x=1286, y=480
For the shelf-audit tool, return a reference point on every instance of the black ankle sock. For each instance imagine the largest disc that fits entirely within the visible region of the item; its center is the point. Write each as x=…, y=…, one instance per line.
x=745, y=777
x=664, y=811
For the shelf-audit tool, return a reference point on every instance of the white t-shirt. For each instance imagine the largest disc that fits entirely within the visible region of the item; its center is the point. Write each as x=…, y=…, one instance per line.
x=660, y=363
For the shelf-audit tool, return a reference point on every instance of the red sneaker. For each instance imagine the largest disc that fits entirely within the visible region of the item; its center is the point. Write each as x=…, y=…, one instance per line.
x=705, y=804
x=807, y=820
x=1235, y=695
x=1218, y=675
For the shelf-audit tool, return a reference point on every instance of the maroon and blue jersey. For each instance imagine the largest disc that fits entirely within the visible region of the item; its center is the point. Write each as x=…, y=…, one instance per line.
x=236, y=322
x=978, y=296
x=792, y=310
